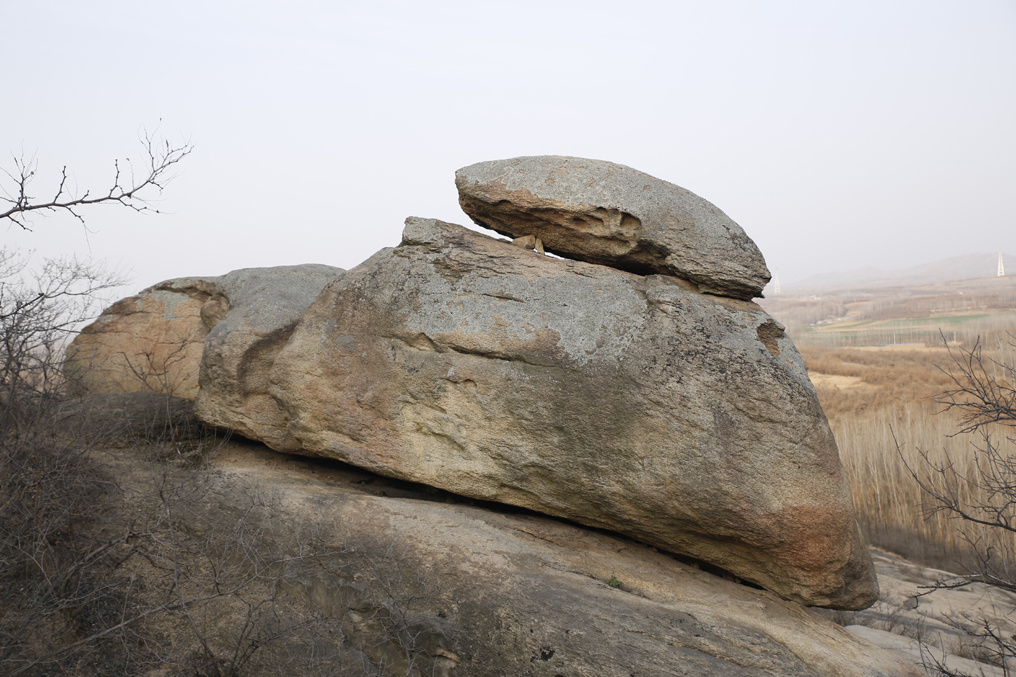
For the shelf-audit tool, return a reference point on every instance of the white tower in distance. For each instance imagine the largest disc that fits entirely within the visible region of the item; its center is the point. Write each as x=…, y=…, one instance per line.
x=776, y=282
x=1001, y=267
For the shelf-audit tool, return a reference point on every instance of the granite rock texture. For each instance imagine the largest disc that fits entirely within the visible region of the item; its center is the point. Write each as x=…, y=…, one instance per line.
x=606, y=213
x=151, y=342
x=630, y=403
x=165, y=337
x=251, y=316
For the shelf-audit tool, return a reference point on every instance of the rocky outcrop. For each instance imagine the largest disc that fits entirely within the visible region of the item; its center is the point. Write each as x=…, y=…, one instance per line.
x=617, y=396
x=631, y=403
x=610, y=214
x=155, y=341
x=490, y=592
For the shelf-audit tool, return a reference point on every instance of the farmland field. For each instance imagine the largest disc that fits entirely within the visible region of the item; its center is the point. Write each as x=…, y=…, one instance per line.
x=961, y=311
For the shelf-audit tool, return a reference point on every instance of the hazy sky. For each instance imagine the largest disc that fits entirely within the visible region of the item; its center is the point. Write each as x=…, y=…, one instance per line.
x=837, y=134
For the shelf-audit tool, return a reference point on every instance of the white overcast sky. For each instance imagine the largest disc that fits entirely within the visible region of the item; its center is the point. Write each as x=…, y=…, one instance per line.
x=837, y=134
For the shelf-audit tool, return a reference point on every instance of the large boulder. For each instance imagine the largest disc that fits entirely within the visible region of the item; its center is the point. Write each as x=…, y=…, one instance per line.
x=607, y=213
x=631, y=403
x=156, y=340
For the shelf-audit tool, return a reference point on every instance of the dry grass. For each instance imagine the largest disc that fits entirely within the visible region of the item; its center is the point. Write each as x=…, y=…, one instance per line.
x=874, y=398
x=857, y=382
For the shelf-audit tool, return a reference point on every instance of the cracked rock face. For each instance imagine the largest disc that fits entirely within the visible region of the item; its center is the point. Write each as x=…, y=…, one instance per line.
x=214, y=330
x=256, y=311
x=606, y=213
x=635, y=404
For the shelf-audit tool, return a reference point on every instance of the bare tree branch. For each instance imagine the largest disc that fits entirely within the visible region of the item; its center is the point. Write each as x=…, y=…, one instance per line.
x=985, y=388
x=130, y=188
x=981, y=493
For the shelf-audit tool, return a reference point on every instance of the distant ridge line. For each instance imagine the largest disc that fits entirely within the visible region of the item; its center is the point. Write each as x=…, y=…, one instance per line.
x=968, y=266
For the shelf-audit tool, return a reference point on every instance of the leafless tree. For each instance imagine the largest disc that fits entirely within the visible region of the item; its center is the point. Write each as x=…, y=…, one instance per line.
x=133, y=184
x=54, y=567
x=984, y=389
x=38, y=312
x=984, y=498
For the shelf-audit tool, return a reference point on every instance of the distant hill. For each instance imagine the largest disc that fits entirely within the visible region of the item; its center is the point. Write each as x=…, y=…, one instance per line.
x=955, y=268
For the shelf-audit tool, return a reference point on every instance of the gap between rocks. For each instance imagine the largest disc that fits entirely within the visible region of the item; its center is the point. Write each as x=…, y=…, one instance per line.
x=243, y=451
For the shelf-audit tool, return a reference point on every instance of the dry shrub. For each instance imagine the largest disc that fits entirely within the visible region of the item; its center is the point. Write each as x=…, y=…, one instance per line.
x=893, y=510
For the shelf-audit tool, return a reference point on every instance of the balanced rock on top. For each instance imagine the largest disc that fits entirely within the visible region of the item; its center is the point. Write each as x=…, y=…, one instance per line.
x=606, y=213
x=620, y=401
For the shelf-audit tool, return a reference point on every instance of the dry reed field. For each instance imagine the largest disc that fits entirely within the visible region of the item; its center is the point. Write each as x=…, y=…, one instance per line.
x=876, y=399
x=880, y=397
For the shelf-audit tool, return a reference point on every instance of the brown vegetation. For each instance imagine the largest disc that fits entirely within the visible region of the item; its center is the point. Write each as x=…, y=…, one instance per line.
x=853, y=383
x=873, y=388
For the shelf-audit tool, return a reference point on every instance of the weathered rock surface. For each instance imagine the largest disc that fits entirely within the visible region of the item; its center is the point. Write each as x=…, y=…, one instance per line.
x=149, y=342
x=256, y=311
x=631, y=403
x=492, y=593
x=155, y=341
x=607, y=213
